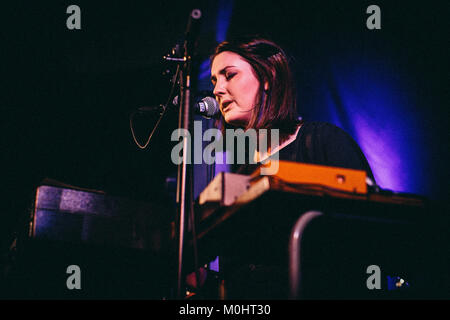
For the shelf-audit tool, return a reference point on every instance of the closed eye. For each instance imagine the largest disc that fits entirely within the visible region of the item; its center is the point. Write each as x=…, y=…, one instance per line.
x=229, y=76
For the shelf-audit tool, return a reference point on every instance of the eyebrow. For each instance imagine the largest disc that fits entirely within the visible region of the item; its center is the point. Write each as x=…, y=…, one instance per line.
x=213, y=78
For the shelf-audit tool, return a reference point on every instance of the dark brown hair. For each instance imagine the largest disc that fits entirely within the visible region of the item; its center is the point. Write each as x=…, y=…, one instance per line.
x=277, y=106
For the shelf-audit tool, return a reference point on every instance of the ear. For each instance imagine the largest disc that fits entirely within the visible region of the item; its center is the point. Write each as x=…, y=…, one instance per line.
x=266, y=86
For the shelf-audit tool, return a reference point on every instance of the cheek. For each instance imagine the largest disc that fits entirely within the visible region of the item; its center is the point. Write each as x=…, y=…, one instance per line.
x=249, y=92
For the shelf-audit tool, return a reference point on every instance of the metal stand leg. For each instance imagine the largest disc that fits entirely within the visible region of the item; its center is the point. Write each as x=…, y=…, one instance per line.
x=295, y=272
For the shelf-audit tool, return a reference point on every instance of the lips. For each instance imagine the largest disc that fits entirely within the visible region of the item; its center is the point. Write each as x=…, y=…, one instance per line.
x=225, y=104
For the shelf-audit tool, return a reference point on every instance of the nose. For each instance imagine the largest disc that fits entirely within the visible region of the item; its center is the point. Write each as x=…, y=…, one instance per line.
x=219, y=89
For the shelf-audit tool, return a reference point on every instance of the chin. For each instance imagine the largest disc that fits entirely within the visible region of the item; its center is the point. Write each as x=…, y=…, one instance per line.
x=235, y=120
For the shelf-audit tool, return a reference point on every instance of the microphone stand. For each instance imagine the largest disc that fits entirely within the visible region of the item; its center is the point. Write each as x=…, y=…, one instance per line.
x=185, y=172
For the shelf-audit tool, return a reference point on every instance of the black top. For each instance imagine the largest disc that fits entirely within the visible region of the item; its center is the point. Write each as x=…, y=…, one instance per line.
x=323, y=144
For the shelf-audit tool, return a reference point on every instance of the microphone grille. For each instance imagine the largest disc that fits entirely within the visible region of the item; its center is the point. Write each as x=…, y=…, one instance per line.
x=212, y=106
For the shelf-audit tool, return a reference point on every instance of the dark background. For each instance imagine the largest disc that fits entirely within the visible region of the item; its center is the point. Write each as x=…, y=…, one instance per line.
x=67, y=94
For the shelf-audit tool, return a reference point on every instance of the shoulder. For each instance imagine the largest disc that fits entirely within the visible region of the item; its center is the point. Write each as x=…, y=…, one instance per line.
x=316, y=139
x=319, y=126
x=323, y=131
x=330, y=145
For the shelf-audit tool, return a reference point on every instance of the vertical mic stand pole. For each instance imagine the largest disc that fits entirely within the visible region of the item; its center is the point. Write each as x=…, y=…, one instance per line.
x=184, y=181
x=183, y=194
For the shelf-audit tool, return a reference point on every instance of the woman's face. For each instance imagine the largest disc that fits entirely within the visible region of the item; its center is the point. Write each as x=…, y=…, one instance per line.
x=236, y=87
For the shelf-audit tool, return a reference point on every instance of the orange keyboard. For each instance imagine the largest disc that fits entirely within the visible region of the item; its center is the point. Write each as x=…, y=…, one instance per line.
x=349, y=180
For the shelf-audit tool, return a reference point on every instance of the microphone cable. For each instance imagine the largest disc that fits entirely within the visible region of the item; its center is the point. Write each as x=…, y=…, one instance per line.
x=160, y=118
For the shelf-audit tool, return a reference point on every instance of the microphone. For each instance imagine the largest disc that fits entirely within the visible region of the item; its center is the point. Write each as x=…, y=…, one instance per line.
x=208, y=107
